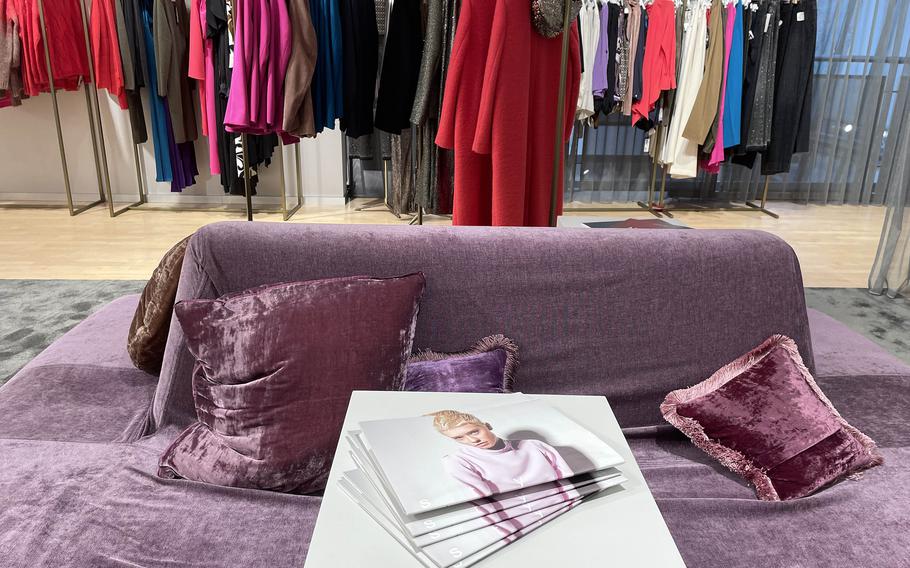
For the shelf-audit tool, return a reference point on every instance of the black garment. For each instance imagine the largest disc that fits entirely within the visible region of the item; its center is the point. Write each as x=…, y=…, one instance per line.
x=360, y=45
x=609, y=101
x=216, y=28
x=753, y=37
x=259, y=151
x=140, y=64
x=400, y=68
x=637, y=79
x=793, y=96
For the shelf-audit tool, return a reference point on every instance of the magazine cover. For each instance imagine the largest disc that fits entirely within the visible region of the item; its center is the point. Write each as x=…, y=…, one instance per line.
x=450, y=456
x=462, y=558
x=466, y=561
x=508, y=517
x=497, y=507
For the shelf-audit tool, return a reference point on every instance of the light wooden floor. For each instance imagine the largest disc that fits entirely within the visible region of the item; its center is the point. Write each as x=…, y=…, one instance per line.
x=835, y=244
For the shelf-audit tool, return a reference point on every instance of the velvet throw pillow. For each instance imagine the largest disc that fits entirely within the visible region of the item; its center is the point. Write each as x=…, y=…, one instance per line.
x=275, y=367
x=152, y=320
x=764, y=417
x=487, y=366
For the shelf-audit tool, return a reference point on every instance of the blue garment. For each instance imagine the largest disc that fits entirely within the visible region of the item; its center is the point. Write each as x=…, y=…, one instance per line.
x=327, y=85
x=733, y=99
x=173, y=163
x=160, y=115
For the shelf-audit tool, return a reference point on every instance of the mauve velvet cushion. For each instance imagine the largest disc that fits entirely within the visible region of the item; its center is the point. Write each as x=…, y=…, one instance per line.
x=764, y=417
x=148, y=332
x=274, y=372
x=489, y=365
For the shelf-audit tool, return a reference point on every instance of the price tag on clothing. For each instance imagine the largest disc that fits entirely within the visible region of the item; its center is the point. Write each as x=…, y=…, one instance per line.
x=751, y=35
x=767, y=22
x=647, y=147
x=800, y=16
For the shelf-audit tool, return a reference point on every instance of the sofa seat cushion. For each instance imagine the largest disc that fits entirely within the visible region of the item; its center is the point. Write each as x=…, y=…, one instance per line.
x=840, y=351
x=83, y=387
x=82, y=504
x=716, y=521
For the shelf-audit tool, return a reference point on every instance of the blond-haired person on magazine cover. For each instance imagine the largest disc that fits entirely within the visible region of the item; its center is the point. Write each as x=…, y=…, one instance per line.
x=489, y=464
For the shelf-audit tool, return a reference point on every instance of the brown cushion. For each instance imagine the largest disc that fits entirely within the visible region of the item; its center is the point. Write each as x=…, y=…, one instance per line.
x=148, y=332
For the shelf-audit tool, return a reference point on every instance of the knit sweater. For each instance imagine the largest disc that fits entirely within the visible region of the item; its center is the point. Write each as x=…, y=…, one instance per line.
x=520, y=463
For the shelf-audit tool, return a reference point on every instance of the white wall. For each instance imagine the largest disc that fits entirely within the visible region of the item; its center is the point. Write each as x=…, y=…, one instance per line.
x=30, y=159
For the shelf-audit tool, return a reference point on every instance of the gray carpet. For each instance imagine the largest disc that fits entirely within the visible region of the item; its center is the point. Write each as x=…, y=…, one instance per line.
x=884, y=320
x=35, y=312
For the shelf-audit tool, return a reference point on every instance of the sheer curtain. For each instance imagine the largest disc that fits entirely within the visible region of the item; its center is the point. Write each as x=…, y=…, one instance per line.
x=891, y=270
x=859, y=75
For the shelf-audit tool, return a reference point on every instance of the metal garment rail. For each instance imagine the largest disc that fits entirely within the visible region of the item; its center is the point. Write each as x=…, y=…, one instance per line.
x=658, y=208
x=73, y=210
x=286, y=213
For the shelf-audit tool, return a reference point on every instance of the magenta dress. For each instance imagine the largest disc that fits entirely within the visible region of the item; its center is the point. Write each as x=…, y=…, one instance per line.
x=262, y=51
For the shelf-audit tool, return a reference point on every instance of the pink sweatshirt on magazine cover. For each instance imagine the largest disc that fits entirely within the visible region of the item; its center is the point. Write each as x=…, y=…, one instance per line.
x=519, y=463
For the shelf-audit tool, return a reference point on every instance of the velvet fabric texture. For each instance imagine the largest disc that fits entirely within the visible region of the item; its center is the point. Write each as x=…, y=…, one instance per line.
x=765, y=418
x=487, y=366
x=275, y=369
x=148, y=332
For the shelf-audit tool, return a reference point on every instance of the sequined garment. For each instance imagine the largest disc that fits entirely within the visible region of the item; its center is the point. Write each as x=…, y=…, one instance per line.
x=763, y=107
x=622, y=59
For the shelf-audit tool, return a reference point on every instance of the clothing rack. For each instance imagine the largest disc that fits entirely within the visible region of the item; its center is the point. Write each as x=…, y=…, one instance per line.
x=99, y=149
x=67, y=186
x=99, y=143
x=659, y=208
x=249, y=210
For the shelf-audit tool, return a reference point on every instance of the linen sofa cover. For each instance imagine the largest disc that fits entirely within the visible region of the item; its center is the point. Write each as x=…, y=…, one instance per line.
x=101, y=505
x=627, y=314
x=83, y=387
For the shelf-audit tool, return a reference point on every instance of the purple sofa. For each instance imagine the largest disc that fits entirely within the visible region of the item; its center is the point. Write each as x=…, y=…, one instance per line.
x=626, y=314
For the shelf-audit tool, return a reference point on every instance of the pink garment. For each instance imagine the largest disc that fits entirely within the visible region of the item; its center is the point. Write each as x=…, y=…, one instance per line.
x=237, y=115
x=197, y=59
x=262, y=51
x=280, y=56
x=521, y=463
x=717, y=154
x=208, y=89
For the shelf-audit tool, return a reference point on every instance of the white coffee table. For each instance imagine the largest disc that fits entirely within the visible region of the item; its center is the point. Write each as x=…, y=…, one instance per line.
x=622, y=528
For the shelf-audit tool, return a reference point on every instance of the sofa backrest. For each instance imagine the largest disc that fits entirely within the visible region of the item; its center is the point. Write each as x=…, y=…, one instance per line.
x=629, y=314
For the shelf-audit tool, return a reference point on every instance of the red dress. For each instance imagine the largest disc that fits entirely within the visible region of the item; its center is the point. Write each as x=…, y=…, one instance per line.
x=514, y=125
x=517, y=122
x=458, y=117
x=66, y=42
x=106, y=50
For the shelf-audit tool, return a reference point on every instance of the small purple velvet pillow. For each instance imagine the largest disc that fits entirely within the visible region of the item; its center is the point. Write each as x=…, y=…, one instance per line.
x=764, y=418
x=275, y=367
x=487, y=366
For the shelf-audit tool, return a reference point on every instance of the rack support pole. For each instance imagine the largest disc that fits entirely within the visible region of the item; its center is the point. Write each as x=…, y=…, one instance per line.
x=247, y=189
x=560, y=118
x=61, y=146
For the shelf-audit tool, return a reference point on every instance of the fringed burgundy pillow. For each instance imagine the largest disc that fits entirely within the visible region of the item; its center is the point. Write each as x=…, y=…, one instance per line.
x=764, y=418
x=275, y=367
x=487, y=366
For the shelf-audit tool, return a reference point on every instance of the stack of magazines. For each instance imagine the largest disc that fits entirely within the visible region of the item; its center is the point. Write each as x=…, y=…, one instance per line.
x=456, y=485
